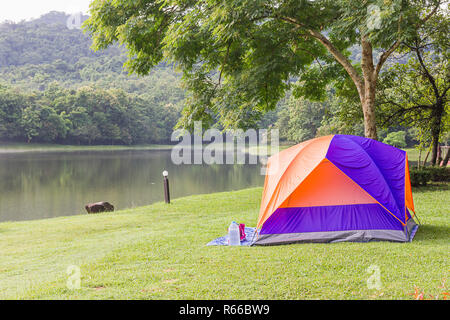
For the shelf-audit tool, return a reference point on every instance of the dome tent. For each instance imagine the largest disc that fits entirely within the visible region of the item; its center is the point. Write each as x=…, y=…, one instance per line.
x=336, y=188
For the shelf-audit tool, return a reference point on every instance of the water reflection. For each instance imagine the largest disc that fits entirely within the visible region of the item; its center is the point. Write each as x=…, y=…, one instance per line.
x=42, y=185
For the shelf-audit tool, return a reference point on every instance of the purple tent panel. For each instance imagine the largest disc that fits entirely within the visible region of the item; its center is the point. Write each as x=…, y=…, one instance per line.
x=330, y=218
x=377, y=168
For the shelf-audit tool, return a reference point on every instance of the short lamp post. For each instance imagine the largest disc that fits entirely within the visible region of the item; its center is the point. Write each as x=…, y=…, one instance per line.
x=166, y=186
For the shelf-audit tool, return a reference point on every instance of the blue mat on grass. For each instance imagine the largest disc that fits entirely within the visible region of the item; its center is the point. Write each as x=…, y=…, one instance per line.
x=223, y=241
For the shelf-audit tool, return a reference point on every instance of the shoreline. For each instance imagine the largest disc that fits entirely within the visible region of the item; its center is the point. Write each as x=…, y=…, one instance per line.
x=44, y=148
x=24, y=148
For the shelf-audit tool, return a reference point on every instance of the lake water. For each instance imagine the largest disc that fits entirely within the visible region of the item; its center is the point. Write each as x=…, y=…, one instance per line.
x=36, y=185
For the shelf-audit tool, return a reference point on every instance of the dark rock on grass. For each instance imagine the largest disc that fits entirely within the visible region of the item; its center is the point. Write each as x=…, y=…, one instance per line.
x=99, y=207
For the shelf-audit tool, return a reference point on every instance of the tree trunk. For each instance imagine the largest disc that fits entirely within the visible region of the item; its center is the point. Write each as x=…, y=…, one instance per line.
x=434, y=150
x=439, y=156
x=367, y=95
x=420, y=158
x=368, y=105
x=446, y=158
x=426, y=157
x=436, y=131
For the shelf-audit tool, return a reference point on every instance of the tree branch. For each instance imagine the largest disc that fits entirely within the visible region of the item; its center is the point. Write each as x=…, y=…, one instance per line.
x=430, y=14
x=385, y=56
x=224, y=61
x=403, y=111
x=312, y=55
x=387, y=53
x=427, y=74
x=339, y=56
x=445, y=92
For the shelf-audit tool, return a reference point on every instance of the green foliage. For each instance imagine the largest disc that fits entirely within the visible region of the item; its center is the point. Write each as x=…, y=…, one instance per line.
x=415, y=92
x=408, y=98
x=419, y=177
x=84, y=116
x=301, y=119
x=11, y=103
x=396, y=139
x=438, y=174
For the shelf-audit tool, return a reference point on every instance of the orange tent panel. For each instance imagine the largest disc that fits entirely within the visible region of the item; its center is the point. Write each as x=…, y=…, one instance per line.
x=408, y=192
x=287, y=169
x=327, y=186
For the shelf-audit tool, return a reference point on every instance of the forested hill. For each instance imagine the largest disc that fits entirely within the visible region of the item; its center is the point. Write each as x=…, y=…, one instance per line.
x=37, y=52
x=54, y=88
x=44, y=41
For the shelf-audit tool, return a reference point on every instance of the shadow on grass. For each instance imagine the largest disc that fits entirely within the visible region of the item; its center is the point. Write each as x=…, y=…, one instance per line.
x=432, y=232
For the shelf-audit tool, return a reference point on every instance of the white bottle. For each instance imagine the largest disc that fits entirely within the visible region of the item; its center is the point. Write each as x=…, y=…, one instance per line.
x=234, y=237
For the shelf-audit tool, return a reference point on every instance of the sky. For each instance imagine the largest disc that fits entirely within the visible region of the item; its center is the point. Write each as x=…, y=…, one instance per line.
x=17, y=10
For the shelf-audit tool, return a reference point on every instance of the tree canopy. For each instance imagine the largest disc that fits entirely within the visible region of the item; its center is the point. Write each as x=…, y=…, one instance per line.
x=415, y=93
x=240, y=57
x=63, y=92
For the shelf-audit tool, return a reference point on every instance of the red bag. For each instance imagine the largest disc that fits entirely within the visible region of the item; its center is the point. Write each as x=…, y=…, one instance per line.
x=242, y=231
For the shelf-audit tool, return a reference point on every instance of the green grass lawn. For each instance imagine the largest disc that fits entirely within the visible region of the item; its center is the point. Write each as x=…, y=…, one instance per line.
x=160, y=252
